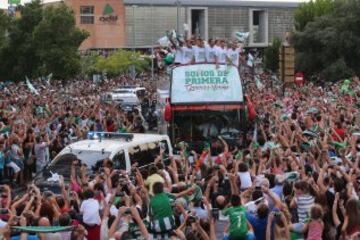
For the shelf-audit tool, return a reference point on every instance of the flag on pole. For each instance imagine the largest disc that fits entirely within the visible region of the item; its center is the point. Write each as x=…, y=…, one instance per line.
x=31, y=87
x=242, y=36
x=250, y=61
x=48, y=78
x=258, y=83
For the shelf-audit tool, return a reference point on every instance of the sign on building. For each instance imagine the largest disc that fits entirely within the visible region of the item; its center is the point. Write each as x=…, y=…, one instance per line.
x=108, y=16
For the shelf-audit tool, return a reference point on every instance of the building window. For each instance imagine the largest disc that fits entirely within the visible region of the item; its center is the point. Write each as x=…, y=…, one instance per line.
x=258, y=27
x=87, y=15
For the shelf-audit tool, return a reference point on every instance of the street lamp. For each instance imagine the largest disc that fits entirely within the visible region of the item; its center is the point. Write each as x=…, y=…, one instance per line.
x=133, y=15
x=152, y=44
x=177, y=15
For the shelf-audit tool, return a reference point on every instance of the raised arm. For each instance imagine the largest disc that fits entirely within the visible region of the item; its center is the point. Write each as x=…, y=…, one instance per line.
x=335, y=216
x=269, y=226
x=140, y=223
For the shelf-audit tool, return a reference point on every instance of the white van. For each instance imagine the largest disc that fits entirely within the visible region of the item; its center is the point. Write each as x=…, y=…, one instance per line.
x=139, y=91
x=121, y=97
x=122, y=148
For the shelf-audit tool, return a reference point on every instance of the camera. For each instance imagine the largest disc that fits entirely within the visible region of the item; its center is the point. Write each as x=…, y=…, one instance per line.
x=191, y=219
x=128, y=211
x=47, y=194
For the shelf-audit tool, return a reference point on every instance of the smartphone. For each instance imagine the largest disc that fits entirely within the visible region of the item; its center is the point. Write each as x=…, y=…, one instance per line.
x=4, y=211
x=215, y=213
x=47, y=194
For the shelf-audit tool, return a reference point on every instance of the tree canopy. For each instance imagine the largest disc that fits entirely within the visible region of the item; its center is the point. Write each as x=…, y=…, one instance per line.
x=120, y=61
x=308, y=12
x=271, y=54
x=41, y=41
x=329, y=45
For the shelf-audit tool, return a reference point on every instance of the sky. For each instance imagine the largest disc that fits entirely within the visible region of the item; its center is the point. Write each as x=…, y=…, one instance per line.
x=3, y=3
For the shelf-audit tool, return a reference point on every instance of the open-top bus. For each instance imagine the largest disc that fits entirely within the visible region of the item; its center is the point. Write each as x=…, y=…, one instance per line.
x=206, y=101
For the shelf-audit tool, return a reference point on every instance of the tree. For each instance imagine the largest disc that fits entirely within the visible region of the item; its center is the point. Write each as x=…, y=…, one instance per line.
x=88, y=64
x=4, y=23
x=120, y=61
x=328, y=47
x=44, y=40
x=271, y=55
x=18, y=58
x=57, y=41
x=308, y=12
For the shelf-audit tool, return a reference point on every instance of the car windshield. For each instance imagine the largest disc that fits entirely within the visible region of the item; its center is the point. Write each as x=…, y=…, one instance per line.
x=122, y=91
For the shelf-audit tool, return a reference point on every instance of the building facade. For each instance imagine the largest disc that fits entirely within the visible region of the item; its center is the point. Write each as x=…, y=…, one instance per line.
x=103, y=19
x=148, y=20
x=140, y=23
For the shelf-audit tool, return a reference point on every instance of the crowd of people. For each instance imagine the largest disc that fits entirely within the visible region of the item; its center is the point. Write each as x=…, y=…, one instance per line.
x=298, y=177
x=35, y=127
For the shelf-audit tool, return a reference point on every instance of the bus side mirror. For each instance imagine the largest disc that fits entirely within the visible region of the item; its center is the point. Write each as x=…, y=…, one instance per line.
x=167, y=112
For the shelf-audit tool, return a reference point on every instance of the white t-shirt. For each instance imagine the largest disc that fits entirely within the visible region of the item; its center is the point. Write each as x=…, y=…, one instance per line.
x=199, y=53
x=167, y=176
x=234, y=55
x=90, y=210
x=221, y=54
x=178, y=56
x=188, y=55
x=210, y=53
x=245, y=180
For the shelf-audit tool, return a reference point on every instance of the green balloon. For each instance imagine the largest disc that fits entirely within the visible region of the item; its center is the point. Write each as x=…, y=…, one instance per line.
x=169, y=59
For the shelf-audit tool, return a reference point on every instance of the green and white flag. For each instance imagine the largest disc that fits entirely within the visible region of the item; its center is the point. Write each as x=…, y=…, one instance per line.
x=31, y=87
x=242, y=36
x=48, y=78
x=258, y=83
x=164, y=41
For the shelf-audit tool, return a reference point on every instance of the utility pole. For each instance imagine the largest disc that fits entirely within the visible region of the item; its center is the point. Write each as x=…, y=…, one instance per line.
x=133, y=15
x=177, y=15
x=152, y=44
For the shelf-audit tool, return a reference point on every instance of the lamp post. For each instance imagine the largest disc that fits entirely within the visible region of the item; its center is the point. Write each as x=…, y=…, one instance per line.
x=133, y=15
x=152, y=45
x=177, y=15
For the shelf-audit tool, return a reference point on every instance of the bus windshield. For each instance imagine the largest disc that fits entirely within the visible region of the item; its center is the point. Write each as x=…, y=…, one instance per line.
x=205, y=125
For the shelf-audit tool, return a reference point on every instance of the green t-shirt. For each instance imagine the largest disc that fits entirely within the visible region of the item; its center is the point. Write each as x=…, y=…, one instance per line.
x=134, y=230
x=162, y=216
x=238, y=222
x=196, y=195
x=160, y=205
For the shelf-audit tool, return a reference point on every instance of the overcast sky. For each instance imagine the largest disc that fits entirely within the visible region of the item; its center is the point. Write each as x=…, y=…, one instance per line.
x=3, y=3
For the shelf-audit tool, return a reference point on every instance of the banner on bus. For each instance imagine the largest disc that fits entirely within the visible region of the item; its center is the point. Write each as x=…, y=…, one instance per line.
x=205, y=83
